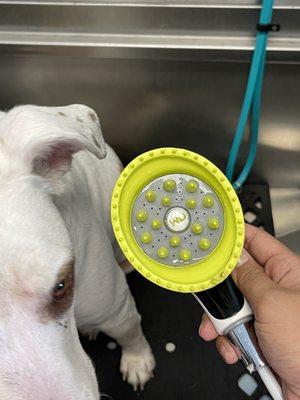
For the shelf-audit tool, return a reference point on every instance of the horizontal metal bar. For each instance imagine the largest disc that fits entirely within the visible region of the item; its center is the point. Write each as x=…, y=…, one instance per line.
x=144, y=41
x=132, y=30
x=279, y=4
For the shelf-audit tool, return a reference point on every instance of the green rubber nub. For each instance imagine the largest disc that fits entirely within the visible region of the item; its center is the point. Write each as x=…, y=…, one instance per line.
x=213, y=223
x=204, y=243
x=208, y=201
x=191, y=203
x=197, y=228
x=191, y=186
x=162, y=252
x=175, y=241
x=141, y=216
x=169, y=185
x=156, y=224
x=146, y=237
x=166, y=201
x=150, y=196
x=185, y=254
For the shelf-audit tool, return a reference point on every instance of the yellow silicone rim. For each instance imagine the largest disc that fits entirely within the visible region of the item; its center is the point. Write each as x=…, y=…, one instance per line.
x=196, y=277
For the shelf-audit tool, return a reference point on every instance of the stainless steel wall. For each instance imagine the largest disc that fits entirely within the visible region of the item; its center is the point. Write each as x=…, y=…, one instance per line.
x=159, y=73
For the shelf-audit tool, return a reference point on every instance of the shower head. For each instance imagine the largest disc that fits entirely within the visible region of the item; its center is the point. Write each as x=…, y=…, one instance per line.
x=178, y=220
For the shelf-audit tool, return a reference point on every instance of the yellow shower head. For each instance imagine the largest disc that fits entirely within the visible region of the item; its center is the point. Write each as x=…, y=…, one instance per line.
x=178, y=220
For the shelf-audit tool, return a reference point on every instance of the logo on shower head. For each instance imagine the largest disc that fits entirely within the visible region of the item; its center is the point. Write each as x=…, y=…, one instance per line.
x=177, y=219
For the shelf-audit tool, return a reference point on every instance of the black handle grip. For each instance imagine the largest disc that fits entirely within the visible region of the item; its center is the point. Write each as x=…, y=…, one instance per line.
x=224, y=300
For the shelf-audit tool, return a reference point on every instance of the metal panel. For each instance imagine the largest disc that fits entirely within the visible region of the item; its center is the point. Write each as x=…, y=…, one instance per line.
x=149, y=103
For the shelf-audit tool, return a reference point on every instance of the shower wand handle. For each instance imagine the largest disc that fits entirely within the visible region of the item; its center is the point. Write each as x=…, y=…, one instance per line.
x=225, y=306
x=232, y=316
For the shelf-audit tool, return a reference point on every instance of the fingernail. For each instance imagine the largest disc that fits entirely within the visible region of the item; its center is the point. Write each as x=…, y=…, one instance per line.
x=225, y=354
x=229, y=357
x=244, y=258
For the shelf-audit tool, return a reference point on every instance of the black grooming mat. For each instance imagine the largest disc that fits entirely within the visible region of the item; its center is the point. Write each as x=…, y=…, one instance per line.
x=256, y=204
x=193, y=371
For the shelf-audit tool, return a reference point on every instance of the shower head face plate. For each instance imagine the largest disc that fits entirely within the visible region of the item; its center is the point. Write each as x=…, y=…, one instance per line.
x=183, y=205
x=177, y=220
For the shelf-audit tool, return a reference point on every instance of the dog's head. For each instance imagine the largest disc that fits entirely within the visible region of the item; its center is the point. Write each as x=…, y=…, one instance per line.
x=40, y=354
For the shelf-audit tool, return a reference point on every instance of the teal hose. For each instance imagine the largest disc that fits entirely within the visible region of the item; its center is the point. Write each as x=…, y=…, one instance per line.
x=251, y=103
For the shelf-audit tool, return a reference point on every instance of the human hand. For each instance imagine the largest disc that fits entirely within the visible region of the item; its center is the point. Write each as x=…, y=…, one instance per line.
x=268, y=275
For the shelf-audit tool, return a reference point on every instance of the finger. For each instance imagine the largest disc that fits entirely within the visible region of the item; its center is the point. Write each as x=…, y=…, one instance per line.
x=207, y=330
x=226, y=350
x=263, y=246
x=251, y=279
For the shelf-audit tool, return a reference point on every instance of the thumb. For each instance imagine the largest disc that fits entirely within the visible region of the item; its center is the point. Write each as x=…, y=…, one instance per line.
x=251, y=279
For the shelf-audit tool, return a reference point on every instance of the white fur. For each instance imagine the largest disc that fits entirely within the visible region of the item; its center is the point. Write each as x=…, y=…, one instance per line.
x=51, y=212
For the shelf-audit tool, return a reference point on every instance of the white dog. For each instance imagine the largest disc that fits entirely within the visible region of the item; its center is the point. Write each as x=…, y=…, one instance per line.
x=54, y=221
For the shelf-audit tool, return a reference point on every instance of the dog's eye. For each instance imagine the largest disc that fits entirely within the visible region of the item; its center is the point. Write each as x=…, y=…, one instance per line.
x=60, y=286
x=61, y=295
x=64, y=285
x=59, y=289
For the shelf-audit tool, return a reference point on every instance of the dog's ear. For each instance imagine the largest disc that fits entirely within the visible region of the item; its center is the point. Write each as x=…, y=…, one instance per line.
x=46, y=138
